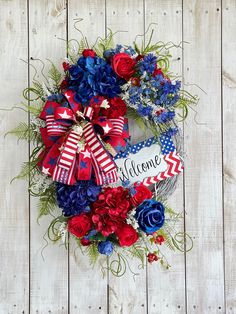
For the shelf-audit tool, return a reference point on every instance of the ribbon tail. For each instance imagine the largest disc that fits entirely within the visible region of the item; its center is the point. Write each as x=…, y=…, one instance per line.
x=103, y=160
x=64, y=171
x=101, y=178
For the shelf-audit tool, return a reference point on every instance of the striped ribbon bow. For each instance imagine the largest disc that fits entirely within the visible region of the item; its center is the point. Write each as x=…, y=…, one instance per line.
x=76, y=143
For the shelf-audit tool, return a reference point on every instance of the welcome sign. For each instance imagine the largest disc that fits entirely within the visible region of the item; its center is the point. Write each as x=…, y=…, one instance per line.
x=149, y=162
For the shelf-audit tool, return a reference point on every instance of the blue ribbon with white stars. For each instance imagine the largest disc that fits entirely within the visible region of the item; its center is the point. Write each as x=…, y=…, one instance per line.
x=167, y=146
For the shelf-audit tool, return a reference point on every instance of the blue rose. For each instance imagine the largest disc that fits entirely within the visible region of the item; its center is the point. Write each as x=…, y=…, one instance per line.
x=105, y=247
x=150, y=216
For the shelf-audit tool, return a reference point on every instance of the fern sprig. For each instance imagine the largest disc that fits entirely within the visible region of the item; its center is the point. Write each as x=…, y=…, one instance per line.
x=24, y=132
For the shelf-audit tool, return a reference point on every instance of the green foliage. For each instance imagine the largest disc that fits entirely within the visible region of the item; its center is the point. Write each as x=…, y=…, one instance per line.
x=47, y=201
x=24, y=132
x=55, y=75
x=53, y=233
x=27, y=170
x=168, y=238
x=39, y=88
x=92, y=253
x=75, y=48
x=104, y=44
x=184, y=103
x=138, y=251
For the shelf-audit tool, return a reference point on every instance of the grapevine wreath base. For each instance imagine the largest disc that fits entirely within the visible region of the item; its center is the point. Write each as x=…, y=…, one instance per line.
x=102, y=190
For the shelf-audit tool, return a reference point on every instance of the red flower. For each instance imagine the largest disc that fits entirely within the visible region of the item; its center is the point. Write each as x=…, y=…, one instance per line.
x=135, y=81
x=127, y=235
x=117, y=108
x=85, y=242
x=89, y=53
x=123, y=65
x=152, y=257
x=110, y=210
x=157, y=71
x=142, y=193
x=66, y=66
x=79, y=225
x=139, y=57
x=95, y=103
x=159, y=239
x=64, y=85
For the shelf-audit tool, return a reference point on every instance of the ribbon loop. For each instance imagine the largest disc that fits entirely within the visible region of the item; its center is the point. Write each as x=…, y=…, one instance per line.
x=80, y=146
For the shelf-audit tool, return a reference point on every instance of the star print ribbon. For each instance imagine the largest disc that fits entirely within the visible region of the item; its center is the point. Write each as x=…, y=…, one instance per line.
x=73, y=149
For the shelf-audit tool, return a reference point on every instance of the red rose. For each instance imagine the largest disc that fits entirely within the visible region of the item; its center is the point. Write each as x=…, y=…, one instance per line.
x=127, y=235
x=123, y=65
x=79, y=225
x=110, y=209
x=117, y=108
x=142, y=193
x=89, y=53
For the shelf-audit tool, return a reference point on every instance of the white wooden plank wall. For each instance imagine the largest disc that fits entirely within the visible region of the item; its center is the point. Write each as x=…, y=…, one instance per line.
x=203, y=281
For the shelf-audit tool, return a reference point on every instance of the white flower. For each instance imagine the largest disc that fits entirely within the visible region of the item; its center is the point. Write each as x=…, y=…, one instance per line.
x=105, y=104
x=131, y=220
x=62, y=231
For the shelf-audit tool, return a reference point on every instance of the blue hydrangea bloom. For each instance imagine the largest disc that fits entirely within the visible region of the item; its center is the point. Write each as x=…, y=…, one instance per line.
x=105, y=247
x=91, y=77
x=76, y=199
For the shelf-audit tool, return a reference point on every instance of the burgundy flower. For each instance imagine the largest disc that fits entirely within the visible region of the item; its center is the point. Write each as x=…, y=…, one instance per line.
x=110, y=210
x=117, y=108
x=89, y=53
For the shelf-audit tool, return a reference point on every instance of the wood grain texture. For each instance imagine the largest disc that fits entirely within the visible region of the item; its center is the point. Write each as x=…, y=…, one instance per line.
x=163, y=297
x=14, y=213
x=203, y=166
x=127, y=294
x=28, y=284
x=49, y=274
x=229, y=148
x=88, y=288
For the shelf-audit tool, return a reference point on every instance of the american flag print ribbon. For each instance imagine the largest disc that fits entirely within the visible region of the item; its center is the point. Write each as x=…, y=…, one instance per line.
x=71, y=155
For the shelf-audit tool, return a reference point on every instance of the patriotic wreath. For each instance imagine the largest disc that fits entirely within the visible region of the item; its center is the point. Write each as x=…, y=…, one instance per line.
x=104, y=191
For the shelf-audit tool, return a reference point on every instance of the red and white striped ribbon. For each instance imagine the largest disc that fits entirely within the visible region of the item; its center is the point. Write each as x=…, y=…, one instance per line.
x=68, y=153
x=88, y=112
x=103, y=160
x=101, y=178
x=118, y=125
x=63, y=175
x=53, y=128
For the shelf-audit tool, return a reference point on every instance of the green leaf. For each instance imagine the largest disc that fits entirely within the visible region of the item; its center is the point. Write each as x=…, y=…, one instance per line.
x=93, y=253
x=47, y=202
x=104, y=44
x=55, y=75
x=138, y=252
